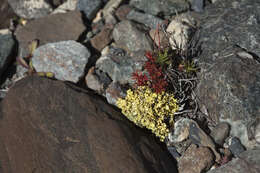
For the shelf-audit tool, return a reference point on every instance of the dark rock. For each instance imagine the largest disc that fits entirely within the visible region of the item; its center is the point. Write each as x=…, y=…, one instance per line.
x=229, y=83
x=6, y=14
x=129, y=37
x=30, y=9
x=66, y=59
x=162, y=7
x=235, y=146
x=119, y=68
x=102, y=39
x=50, y=126
x=53, y=28
x=220, y=133
x=197, y=5
x=247, y=162
x=144, y=18
x=7, y=44
x=89, y=7
x=196, y=160
x=122, y=12
x=174, y=152
x=55, y=3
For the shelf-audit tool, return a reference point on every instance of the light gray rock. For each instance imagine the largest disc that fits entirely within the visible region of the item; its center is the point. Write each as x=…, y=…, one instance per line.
x=165, y=7
x=89, y=7
x=129, y=37
x=144, y=18
x=66, y=59
x=7, y=44
x=30, y=9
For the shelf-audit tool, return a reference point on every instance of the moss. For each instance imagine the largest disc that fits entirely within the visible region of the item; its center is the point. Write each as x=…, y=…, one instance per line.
x=154, y=111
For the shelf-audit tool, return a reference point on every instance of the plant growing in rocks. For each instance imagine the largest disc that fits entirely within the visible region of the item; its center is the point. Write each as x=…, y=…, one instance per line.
x=163, y=89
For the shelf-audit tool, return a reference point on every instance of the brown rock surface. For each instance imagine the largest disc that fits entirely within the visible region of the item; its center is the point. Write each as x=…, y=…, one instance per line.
x=196, y=160
x=50, y=126
x=53, y=28
x=102, y=39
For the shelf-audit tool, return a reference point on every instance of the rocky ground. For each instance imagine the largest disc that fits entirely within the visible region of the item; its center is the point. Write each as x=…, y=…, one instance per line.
x=71, y=122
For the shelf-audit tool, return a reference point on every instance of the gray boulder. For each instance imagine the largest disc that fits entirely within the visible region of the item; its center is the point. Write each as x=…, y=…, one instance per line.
x=66, y=59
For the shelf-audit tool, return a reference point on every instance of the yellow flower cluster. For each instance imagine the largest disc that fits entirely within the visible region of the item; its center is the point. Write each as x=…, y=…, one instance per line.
x=149, y=109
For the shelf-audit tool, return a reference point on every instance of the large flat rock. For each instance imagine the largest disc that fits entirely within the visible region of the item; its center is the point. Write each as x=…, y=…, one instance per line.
x=50, y=126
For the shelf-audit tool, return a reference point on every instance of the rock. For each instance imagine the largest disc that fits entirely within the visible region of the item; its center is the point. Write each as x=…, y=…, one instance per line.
x=97, y=81
x=196, y=160
x=180, y=131
x=161, y=7
x=248, y=161
x=181, y=29
x=113, y=92
x=69, y=5
x=173, y=152
x=50, y=126
x=235, y=146
x=102, y=39
x=89, y=7
x=199, y=137
x=127, y=36
x=122, y=12
x=186, y=128
x=119, y=68
x=110, y=7
x=6, y=14
x=232, y=80
x=7, y=46
x=53, y=28
x=66, y=59
x=144, y=18
x=220, y=133
x=197, y=5
x=229, y=87
x=30, y=9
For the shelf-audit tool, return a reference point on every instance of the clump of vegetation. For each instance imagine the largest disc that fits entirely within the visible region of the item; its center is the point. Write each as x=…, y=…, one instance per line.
x=164, y=89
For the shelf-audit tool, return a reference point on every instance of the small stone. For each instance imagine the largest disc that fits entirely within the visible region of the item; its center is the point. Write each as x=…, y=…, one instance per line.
x=89, y=7
x=6, y=14
x=173, y=152
x=127, y=36
x=110, y=7
x=7, y=44
x=30, y=9
x=93, y=82
x=102, y=39
x=119, y=68
x=122, y=12
x=180, y=32
x=69, y=5
x=235, y=146
x=144, y=18
x=220, y=133
x=66, y=59
x=199, y=137
x=113, y=92
x=196, y=160
x=180, y=131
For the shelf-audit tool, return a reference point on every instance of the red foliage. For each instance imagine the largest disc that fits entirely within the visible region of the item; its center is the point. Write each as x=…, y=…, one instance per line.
x=156, y=77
